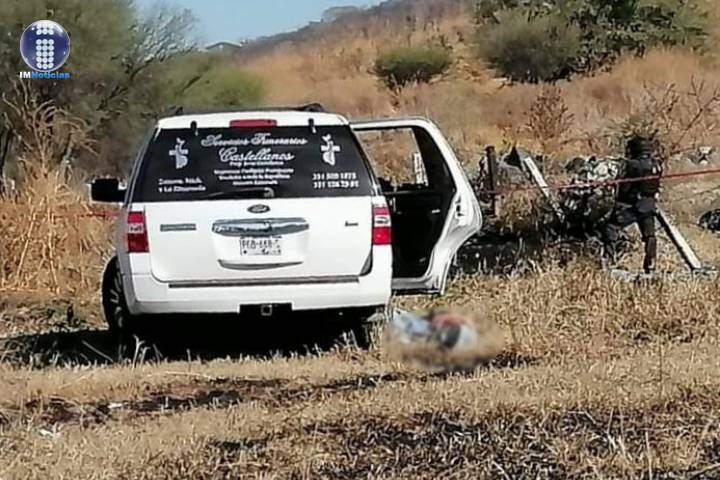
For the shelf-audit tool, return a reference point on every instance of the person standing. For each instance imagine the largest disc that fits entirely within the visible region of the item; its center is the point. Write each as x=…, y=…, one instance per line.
x=637, y=200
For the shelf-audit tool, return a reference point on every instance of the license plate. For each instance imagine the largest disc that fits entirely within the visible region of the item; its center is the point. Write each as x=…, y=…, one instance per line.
x=260, y=246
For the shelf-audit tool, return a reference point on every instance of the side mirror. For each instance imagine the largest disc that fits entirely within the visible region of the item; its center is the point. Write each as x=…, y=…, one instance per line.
x=107, y=190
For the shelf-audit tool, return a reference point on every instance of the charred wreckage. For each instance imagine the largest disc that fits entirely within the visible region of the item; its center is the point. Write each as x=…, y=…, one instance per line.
x=572, y=213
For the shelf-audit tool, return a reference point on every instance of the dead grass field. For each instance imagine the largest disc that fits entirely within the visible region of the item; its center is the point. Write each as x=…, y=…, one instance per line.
x=599, y=379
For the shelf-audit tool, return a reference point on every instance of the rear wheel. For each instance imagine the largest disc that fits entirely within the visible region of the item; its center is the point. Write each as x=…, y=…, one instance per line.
x=121, y=322
x=364, y=325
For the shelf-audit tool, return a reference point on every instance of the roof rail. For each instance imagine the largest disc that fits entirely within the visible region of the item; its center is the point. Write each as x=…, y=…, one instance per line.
x=312, y=107
x=180, y=110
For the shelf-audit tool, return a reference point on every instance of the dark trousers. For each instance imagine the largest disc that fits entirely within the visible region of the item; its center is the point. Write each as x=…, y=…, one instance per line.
x=643, y=214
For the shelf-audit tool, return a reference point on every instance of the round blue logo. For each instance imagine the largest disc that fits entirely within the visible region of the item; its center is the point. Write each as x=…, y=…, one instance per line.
x=45, y=46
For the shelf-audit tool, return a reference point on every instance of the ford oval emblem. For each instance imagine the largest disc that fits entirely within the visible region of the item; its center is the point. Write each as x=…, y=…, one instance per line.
x=259, y=209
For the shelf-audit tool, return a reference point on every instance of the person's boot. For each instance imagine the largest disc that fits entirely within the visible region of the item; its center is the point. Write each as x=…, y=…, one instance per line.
x=650, y=256
x=609, y=257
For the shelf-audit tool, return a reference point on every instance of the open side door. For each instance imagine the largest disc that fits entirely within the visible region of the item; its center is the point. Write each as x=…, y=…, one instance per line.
x=433, y=206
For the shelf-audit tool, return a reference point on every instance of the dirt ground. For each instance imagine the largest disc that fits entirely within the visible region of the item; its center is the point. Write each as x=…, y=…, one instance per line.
x=599, y=379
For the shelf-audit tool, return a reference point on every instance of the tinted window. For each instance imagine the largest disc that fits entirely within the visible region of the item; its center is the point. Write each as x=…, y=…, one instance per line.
x=221, y=163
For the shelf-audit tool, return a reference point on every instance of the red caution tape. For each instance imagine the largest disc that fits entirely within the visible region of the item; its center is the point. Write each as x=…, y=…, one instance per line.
x=112, y=214
x=103, y=215
x=603, y=183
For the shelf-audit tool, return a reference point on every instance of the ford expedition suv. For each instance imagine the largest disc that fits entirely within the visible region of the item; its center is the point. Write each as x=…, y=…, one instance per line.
x=270, y=211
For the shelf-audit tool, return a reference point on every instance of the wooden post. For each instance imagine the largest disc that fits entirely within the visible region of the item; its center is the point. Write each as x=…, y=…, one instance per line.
x=491, y=181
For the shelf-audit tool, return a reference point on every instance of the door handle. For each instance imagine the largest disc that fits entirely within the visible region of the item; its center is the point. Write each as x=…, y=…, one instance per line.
x=260, y=228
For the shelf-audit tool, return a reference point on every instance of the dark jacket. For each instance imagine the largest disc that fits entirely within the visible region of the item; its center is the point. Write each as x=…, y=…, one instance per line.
x=634, y=192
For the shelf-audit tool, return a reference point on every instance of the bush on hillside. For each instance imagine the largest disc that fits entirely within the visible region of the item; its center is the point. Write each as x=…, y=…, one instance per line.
x=401, y=67
x=226, y=86
x=518, y=36
x=611, y=28
x=532, y=50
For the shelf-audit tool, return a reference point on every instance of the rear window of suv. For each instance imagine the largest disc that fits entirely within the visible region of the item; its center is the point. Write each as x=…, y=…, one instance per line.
x=229, y=163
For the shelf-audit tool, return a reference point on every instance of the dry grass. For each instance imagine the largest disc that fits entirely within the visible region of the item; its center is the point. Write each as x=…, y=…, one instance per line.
x=599, y=379
x=474, y=110
x=49, y=246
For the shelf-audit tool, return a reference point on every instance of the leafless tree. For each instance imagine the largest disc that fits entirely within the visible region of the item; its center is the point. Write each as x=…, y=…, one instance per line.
x=679, y=120
x=162, y=35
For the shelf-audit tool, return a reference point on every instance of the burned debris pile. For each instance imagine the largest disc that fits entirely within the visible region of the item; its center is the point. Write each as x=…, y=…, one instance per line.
x=711, y=221
x=567, y=217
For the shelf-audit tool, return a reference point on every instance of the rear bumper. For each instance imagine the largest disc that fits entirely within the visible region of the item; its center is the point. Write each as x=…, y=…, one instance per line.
x=146, y=295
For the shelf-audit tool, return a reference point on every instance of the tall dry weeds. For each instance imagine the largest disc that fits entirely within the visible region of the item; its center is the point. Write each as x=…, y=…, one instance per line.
x=48, y=137
x=549, y=119
x=49, y=244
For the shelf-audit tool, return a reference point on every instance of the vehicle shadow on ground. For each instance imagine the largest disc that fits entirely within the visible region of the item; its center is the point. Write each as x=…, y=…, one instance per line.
x=183, y=340
x=210, y=341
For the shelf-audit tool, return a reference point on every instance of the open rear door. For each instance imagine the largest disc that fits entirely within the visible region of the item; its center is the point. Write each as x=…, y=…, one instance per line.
x=434, y=209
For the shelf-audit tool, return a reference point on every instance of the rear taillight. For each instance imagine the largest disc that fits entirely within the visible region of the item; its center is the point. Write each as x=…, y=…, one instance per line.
x=382, y=224
x=254, y=123
x=136, y=238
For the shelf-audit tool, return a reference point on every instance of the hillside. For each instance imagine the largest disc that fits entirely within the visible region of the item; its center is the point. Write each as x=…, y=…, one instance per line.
x=366, y=22
x=598, y=379
x=333, y=65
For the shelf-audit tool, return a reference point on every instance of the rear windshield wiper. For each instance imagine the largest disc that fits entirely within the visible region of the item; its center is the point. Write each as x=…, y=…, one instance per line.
x=251, y=192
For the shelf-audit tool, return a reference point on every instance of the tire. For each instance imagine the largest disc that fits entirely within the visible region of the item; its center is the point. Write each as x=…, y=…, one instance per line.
x=364, y=326
x=121, y=323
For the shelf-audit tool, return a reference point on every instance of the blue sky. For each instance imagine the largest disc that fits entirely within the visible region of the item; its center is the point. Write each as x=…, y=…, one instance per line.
x=232, y=20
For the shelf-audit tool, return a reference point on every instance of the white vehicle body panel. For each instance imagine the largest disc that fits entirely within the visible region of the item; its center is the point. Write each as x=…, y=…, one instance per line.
x=464, y=220
x=283, y=119
x=199, y=241
x=145, y=294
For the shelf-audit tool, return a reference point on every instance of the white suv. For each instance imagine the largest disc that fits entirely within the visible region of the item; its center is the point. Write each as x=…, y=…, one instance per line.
x=268, y=212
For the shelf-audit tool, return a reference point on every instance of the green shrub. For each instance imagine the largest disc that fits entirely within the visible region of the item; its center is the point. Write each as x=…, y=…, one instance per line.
x=611, y=28
x=226, y=86
x=528, y=49
x=533, y=40
x=400, y=67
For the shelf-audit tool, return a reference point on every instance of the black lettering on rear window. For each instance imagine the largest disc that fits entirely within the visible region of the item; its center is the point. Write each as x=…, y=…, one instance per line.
x=278, y=162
